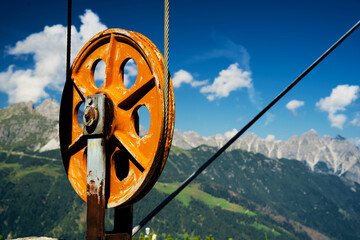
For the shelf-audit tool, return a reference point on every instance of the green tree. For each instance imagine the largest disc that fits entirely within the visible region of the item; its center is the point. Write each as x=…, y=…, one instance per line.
x=210, y=237
x=141, y=236
x=169, y=237
x=187, y=237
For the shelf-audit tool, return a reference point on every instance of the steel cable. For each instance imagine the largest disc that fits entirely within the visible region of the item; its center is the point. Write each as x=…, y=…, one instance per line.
x=165, y=92
x=68, y=42
x=246, y=127
x=166, y=70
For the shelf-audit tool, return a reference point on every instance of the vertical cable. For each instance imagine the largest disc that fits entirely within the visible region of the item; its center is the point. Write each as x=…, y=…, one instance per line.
x=68, y=42
x=165, y=93
x=166, y=68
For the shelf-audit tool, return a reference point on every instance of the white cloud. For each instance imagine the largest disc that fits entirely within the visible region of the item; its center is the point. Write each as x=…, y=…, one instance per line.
x=48, y=49
x=293, y=105
x=230, y=134
x=90, y=25
x=339, y=99
x=22, y=85
x=185, y=77
x=270, y=138
x=356, y=120
x=230, y=79
x=337, y=120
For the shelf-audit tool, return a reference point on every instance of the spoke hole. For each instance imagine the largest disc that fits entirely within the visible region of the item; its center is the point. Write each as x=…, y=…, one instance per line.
x=144, y=121
x=99, y=73
x=122, y=164
x=80, y=113
x=130, y=72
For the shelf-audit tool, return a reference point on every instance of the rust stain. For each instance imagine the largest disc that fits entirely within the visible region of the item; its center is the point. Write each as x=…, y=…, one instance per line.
x=91, y=188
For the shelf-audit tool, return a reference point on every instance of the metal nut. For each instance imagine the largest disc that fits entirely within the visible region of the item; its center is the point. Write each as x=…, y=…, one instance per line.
x=90, y=116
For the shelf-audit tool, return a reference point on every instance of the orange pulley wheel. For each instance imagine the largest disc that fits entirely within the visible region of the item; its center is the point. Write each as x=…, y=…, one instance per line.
x=134, y=163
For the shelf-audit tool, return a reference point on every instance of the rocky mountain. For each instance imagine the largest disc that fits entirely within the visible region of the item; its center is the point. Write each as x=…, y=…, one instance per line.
x=330, y=155
x=284, y=187
x=49, y=109
x=22, y=126
x=26, y=128
x=242, y=195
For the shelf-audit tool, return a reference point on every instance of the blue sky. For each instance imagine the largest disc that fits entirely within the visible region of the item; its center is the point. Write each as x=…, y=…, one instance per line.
x=228, y=59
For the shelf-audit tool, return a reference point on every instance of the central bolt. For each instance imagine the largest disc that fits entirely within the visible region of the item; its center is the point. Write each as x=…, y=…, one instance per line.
x=90, y=116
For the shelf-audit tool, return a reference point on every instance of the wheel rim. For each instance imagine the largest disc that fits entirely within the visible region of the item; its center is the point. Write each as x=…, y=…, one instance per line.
x=144, y=158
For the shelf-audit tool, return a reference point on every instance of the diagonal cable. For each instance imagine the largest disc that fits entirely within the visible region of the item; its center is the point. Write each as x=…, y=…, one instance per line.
x=246, y=127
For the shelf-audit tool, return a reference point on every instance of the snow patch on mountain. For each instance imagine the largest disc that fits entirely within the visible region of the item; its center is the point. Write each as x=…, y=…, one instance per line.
x=51, y=145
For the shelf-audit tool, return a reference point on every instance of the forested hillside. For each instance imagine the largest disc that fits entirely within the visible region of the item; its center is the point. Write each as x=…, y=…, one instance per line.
x=241, y=196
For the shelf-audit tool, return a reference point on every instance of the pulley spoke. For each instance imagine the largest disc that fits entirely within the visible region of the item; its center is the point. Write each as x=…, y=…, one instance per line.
x=111, y=61
x=82, y=88
x=135, y=95
x=78, y=144
x=79, y=92
x=137, y=158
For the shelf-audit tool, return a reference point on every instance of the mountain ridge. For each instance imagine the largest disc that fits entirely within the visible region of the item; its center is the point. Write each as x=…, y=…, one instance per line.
x=330, y=155
x=241, y=195
x=283, y=193
x=26, y=128
x=334, y=155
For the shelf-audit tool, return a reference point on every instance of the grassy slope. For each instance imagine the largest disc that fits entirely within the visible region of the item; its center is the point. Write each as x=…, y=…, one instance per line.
x=241, y=194
x=38, y=200
x=193, y=192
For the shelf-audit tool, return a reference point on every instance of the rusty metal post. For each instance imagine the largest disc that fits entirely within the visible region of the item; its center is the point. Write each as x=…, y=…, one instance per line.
x=96, y=166
x=95, y=130
x=94, y=118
